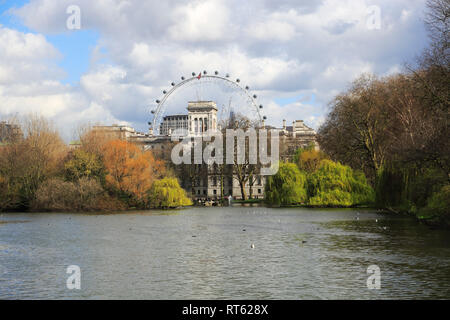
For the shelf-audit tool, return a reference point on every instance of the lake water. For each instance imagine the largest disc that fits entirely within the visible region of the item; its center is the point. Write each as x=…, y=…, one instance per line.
x=205, y=253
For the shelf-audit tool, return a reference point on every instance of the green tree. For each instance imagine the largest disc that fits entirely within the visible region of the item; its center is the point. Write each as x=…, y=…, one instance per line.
x=167, y=193
x=334, y=184
x=287, y=186
x=438, y=207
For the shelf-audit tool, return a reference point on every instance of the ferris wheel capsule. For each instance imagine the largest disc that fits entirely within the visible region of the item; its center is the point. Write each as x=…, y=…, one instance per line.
x=264, y=118
x=227, y=75
x=247, y=87
x=182, y=78
x=153, y=112
x=193, y=74
x=260, y=106
x=204, y=72
x=157, y=101
x=164, y=91
x=255, y=96
x=216, y=72
x=173, y=84
x=238, y=80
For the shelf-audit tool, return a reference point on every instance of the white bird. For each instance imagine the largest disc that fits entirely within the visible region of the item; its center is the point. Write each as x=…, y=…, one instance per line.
x=376, y=220
x=252, y=246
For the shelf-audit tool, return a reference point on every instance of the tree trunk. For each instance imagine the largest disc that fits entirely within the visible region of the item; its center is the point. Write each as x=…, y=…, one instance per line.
x=242, y=185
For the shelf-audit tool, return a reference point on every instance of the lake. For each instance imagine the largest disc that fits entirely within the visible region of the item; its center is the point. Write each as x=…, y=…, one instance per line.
x=206, y=253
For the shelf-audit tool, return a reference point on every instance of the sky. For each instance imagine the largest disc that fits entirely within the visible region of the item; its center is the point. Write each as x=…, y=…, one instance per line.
x=295, y=55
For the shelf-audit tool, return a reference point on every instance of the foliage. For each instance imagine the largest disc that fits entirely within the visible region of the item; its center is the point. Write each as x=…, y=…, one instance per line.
x=26, y=162
x=83, y=195
x=308, y=159
x=396, y=128
x=334, y=184
x=130, y=171
x=438, y=206
x=407, y=188
x=287, y=186
x=83, y=164
x=167, y=193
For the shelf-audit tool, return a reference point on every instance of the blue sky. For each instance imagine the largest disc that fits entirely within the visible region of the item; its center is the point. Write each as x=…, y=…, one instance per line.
x=75, y=46
x=295, y=55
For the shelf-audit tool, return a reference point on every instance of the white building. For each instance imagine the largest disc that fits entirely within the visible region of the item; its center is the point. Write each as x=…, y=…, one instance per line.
x=173, y=122
x=201, y=117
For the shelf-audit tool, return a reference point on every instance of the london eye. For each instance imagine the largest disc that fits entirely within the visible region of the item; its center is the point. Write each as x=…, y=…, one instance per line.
x=230, y=95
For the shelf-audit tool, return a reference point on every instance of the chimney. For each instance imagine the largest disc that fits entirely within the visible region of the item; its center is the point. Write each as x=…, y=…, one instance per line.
x=293, y=129
x=264, y=124
x=284, y=124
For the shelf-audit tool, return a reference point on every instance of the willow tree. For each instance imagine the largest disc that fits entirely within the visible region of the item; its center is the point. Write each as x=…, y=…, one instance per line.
x=287, y=186
x=334, y=184
x=167, y=193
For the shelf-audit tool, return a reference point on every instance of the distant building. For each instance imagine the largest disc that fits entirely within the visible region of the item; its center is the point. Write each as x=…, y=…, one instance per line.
x=173, y=122
x=73, y=145
x=116, y=131
x=9, y=132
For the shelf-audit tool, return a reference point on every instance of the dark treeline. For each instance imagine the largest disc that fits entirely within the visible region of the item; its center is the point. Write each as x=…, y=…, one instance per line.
x=396, y=128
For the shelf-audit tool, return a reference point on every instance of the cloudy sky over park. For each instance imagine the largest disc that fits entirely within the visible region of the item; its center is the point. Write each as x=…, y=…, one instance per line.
x=296, y=55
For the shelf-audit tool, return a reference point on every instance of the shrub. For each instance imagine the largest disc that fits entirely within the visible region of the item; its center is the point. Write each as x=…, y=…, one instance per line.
x=84, y=195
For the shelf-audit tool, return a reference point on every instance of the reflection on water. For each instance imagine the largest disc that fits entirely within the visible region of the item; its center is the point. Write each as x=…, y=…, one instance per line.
x=205, y=253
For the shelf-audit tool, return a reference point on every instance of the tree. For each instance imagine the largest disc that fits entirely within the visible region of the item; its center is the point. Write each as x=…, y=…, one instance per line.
x=287, y=186
x=334, y=184
x=83, y=164
x=356, y=130
x=130, y=171
x=308, y=159
x=245, y=172
x=26, y=162
x=167, y=193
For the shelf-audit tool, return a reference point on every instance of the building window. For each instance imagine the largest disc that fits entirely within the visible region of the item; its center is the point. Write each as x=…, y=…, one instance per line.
x=204, y=192
x=259, y=191
x=215, y=191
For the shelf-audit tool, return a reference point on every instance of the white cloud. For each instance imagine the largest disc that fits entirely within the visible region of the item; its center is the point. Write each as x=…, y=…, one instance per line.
x=278, y=48
x=200, y=21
